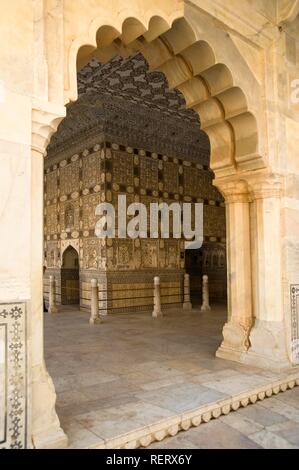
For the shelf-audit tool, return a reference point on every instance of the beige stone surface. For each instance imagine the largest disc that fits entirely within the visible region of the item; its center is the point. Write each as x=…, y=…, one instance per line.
x=234, y=64
x=153, y=385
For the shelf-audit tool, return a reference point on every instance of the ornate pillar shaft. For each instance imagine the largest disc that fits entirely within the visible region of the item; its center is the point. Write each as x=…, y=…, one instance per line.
x=94, y=317
x=240, y=314
x=157, y=312
x=205, y=294
x=52, y=296
x=45, y=427
x=187, y=302
x=268, y=336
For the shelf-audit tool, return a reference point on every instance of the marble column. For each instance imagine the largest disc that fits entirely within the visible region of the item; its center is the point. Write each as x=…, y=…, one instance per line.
x=44, y=425
x=205, y=294
x=157, y=312
x=94, y=317
x=240, y=312
x=52, y=296
x=187, y=303
x=268, y=337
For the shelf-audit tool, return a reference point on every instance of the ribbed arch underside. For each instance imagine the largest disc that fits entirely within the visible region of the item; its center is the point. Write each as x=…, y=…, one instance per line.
x=190, y=65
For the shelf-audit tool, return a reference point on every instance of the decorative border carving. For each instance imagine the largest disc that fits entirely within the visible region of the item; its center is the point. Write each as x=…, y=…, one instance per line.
x=13, y=318
x=295, y=323
x=170, y=427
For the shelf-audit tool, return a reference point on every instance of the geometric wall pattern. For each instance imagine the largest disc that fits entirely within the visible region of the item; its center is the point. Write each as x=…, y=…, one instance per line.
x=13, y=373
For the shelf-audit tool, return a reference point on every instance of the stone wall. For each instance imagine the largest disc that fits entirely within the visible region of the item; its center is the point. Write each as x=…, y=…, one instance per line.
x=125, y=268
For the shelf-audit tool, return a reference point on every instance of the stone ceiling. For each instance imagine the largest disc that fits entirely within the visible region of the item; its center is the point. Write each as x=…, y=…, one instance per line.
x=134, y=107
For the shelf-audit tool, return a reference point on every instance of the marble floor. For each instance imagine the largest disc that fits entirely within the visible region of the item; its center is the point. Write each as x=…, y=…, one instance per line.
x=271, y=424
x=132, y=371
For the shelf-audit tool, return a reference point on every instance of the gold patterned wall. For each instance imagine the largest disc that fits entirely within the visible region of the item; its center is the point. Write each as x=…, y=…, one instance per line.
x=76, y=184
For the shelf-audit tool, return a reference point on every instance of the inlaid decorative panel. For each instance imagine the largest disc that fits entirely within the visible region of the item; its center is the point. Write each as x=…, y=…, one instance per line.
x=51, y=254
x=172, y=258
x=90, y=253
x=13, y=373
x=171, y=177
x=149, y=253
x=214, y=221
x=122, y=168
x=91, y=170
x=192, y=181
x=295, y=323
x=89, y=204
x=51, y=185
x=51, y=219
x=148, y=173
x=124, y=250
x=69, y=178
x=69, y=216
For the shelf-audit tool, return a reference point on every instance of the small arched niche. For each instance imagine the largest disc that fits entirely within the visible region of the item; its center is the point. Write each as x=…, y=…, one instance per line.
x=70, y=278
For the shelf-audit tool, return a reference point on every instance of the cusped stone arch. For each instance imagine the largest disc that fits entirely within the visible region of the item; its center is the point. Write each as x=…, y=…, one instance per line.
x=121, y=23
x=69, y=251
x=70, y=244
x=204, y=65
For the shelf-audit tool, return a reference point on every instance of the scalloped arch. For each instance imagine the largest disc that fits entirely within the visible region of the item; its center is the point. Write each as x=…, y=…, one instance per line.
x=191, y=64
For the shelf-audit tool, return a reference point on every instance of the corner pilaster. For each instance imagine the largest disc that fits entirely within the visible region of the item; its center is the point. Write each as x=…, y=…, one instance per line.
x=45, y=427
x=268, y=337
x=240, y=315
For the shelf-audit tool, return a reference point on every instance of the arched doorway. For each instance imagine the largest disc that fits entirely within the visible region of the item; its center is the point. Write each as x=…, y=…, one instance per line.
x=70, y=283
x=218, y=84
x=209, y=260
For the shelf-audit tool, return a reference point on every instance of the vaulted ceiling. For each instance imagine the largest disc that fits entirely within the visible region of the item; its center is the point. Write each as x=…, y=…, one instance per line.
x=135, y=107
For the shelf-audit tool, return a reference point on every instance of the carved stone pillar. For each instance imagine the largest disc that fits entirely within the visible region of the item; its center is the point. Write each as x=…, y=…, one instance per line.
x=45, y=427
x=157, y=312
x=205, y=294
x=52, y=296
x=187, y=303
x=240, y=314
x=95, y=318
x=268, y=337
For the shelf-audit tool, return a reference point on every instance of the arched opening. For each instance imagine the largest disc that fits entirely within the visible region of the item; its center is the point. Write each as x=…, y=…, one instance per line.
x=130, y=134
x=70, y=283
x=209, y=260
x=191, y=66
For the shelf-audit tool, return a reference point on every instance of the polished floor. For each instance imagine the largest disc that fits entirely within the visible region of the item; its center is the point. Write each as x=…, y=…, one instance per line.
x=133, y=371
x=271, y=424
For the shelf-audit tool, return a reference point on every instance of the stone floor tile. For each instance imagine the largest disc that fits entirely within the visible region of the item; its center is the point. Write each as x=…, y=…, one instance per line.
x=288, y=431
x=242, y=424
x=260, y=415
x=235, y=383
x=181, y=397
x=109, y=423
x=79, y=437
x=269, y=440
x=217, y=435
x=276, y=405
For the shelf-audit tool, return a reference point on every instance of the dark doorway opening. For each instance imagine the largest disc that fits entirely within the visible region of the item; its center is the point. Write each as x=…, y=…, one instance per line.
x=209, y=260
x=70, y=279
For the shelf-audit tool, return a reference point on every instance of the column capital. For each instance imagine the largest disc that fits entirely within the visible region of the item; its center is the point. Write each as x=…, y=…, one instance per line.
x=263, y=187
x=233, y=191
x=46, y=117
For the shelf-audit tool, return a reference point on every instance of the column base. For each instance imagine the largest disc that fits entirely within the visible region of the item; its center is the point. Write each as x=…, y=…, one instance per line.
x=268, y=346
x=46, y=430
x=95, y=321
x=52, y=310
x=205, y=308
x=156, y=314
x=235, y=342
x=187, y=306
x=53, y=438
